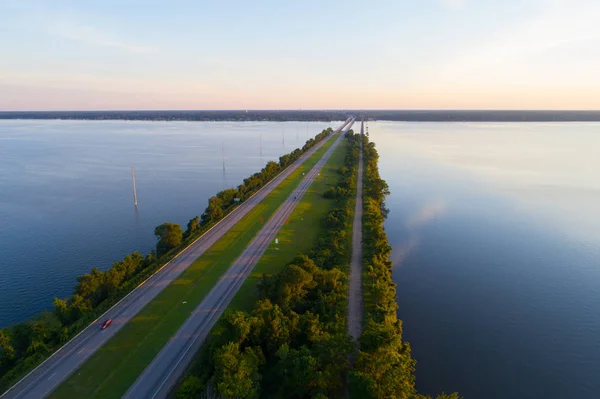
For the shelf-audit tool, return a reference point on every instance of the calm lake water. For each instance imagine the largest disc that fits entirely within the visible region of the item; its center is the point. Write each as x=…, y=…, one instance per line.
x=66, y=198
x=495, y=231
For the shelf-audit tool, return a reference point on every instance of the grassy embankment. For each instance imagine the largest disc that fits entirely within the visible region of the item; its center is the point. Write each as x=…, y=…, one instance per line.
x=111, y=370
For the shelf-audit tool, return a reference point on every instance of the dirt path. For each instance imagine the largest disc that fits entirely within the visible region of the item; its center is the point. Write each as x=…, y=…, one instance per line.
x=355, y=300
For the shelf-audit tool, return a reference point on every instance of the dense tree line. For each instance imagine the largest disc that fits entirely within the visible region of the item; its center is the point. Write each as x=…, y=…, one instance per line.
x=294, y=344
x=24, y=345
x=383, y=367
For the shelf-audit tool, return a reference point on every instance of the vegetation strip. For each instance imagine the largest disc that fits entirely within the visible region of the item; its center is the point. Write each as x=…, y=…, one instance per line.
x=111, y=371
x=294, y=343
x=162, y=373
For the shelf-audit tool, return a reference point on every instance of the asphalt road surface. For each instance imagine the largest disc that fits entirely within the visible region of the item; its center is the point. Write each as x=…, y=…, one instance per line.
x=48, y=375
x=355, y=301
x=163, y=372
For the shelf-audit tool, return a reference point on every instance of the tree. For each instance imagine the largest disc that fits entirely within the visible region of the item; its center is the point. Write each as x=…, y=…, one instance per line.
x=277, y=327
x=236, y=372
x=294, y=283
x=214, y=211
x=78, y=306
x=131, y=264
x=62, y=335
x=169, y=236
x=284, y=160
x=61, y=310
x=7, y=352
x=237, y=325
x=37, y=346
x=227, y=196
x=298, y=373
x=191, y=387
x=89, y=285
x=112, y=281
x=192, y=226
x=387, y=372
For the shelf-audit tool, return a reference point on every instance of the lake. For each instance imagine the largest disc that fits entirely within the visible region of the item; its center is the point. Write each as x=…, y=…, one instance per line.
x=495, y=229
x=66, y=197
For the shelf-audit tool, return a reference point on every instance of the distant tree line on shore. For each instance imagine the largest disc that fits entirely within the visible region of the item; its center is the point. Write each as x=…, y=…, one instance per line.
x=230, y=115
x=24, y=345
x=316, y=115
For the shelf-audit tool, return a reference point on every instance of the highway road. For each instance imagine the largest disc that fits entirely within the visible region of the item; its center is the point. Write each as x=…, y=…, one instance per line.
x=355, y=299
x=163, y=372
x=48, y=375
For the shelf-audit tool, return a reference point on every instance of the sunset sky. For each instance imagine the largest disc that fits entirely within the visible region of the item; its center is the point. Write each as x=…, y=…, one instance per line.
x=426, y=54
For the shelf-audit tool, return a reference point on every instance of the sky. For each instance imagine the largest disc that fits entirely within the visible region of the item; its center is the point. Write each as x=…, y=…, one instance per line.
x=383, y=54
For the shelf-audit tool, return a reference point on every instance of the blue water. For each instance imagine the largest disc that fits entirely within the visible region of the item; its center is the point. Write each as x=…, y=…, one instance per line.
x=66, y=198
x=495, y=231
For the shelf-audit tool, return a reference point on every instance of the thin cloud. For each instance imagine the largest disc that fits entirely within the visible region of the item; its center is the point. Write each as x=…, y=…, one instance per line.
x=69, y=25
x=454, y=4
x=93, y=36
x=510, y=56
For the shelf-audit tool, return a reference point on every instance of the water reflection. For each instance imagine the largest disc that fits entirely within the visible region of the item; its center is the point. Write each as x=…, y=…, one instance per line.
x=497, y=231
x=427, y=213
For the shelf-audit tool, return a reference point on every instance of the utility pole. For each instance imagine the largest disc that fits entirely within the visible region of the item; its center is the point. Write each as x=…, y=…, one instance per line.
x=134, y=189
x=223, y=153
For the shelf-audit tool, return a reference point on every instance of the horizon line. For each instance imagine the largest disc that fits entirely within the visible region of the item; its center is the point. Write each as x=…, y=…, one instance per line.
x=311, y=110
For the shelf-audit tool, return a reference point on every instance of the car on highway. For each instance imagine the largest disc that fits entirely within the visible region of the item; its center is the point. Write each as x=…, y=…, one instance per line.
x=105, y=324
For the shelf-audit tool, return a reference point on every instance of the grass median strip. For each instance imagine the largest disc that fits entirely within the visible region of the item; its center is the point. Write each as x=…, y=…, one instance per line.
x=297, y=236
x=111, y=370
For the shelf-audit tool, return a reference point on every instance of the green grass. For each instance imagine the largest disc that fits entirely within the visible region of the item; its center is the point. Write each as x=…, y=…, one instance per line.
x=115, y=366
x=297, y=236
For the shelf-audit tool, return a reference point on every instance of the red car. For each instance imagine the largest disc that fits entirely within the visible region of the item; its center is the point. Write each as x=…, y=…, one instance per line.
x=105, y=324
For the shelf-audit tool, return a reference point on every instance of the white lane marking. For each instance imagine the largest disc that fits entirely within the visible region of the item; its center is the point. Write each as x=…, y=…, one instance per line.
x=53, y=374
x=80, y=350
